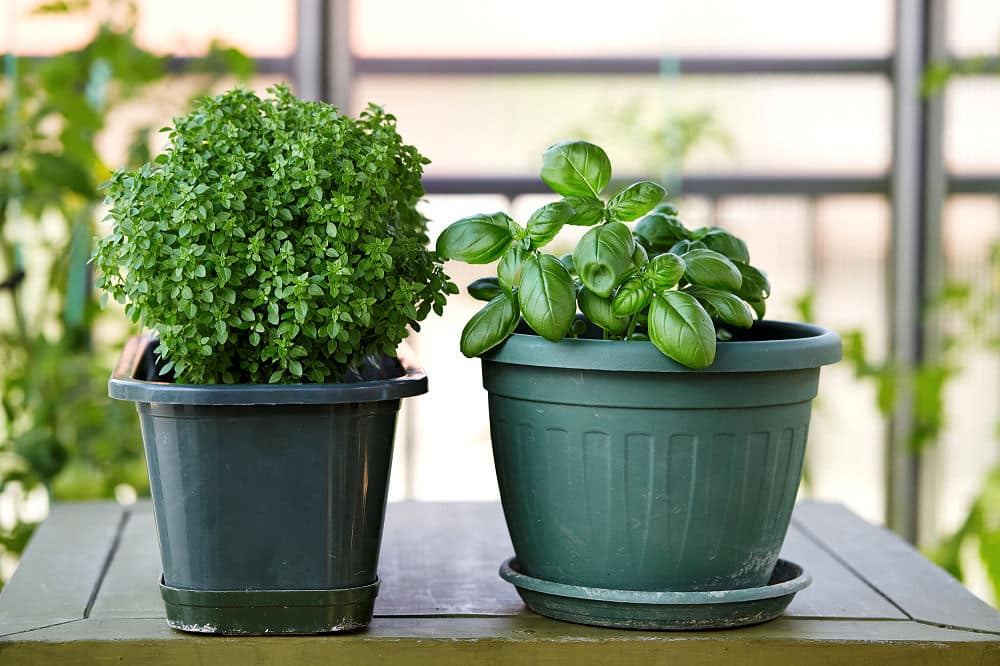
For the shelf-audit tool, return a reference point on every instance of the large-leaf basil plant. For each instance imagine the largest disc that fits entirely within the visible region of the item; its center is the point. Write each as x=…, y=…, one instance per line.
x=680, y=289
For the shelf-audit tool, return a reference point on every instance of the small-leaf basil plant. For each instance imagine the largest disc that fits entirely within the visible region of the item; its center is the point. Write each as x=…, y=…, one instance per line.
x=681, y=289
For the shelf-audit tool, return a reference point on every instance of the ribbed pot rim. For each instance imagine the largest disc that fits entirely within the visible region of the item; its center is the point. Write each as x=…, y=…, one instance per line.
x=123, y=385
x=788, y=346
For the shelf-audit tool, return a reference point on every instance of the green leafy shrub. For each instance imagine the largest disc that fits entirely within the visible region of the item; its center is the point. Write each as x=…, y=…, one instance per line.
x=275, y=240
x=659, y=281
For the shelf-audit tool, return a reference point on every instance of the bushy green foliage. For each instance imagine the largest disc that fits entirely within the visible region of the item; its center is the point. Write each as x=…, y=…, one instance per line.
x=276, y=240
x=659, y=281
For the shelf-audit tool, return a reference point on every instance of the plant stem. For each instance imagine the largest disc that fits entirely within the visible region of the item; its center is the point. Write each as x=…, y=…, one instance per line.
x=631, y=326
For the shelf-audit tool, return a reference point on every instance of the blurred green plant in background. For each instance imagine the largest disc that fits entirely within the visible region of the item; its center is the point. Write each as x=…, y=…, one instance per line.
x=58, y=431
x=968, y=316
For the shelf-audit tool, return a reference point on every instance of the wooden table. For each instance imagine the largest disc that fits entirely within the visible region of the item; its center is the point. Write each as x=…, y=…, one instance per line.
x=86, y=593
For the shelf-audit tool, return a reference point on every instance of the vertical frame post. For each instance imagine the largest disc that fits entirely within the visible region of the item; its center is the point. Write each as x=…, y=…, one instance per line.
x=917, y=190
x=324, y=62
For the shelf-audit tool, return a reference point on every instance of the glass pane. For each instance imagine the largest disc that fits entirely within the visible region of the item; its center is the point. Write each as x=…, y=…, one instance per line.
x=178, y=27
x=972, y=134
x=521, y=28
x=973, y=27
x=493, y=125
x=967, y=449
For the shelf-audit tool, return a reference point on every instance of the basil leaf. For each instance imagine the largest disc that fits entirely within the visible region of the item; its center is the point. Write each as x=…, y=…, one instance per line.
x=602, y=256
x=485, y=289
x=722, y=305
x=632, y=297
x=576, y=168
x=759, y=307
x=755, y=286
x=567, y=261
x=478, y=239
x=587, y=211
x=665, y=270
x=598, y=310
x=711, y=269
x=660, y=232
x=725, y=243
x=545, y=223
x=490, y=326
x=666, y=208
x=548, y=302
x=639, y=256
x=685, y=246
x=510, y=267
x=680, y=328
x=635, y=200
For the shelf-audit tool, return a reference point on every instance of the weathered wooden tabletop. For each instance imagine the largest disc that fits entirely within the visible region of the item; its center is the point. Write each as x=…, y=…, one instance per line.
x=86, y=592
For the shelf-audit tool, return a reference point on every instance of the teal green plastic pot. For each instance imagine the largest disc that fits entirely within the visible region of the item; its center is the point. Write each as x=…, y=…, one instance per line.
x=269, y=500
x=621, y=469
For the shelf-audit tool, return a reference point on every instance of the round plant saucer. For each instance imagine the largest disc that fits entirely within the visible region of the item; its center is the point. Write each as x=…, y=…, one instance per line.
x=673, y=611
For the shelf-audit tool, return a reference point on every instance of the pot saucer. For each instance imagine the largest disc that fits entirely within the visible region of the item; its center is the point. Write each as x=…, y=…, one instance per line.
x=673, y=611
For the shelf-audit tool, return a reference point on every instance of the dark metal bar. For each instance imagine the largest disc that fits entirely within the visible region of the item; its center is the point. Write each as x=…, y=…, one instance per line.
x=973, y=184
x=267, y=65
x=619, y=66
x=180, y=64
x=707, y=185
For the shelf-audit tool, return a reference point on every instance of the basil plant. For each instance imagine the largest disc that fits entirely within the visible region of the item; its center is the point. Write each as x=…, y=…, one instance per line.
x=680, y=289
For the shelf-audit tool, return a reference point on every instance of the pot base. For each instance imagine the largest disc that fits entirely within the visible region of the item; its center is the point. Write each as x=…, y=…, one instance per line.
x=659, y=611
x=267, y=612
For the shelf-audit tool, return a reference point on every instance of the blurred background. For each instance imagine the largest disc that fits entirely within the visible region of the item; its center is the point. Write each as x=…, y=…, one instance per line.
x=854, y=145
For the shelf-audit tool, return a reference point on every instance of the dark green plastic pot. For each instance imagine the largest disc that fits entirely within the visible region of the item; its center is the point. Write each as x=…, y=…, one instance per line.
x=269, y=500
x=620, y=469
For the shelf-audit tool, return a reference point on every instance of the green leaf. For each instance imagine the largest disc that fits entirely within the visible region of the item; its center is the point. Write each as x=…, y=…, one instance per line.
x=587, y=210
x=301, y=312
x=722, y=305
x=660, y=232
x=711, y=269
x=635, y=200
x=567, y=261
x=575, y=168
x=681, y=329
x=759, y=307
x=684, y=246
x=666, y=208
x=754, y=286
x=478, y=239
x=295, y=367
x=275, y=377
x=639, y=256
x=510, y=267
x=665, y=270
x=485, y=289
x=598, y=310
x=602, y=256
x=546, y=296
x=727, y=244
x=631, y=298
x=490, y=326
x=545, y=223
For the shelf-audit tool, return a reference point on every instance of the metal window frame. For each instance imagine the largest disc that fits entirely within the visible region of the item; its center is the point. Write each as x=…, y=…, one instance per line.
x=915, y=184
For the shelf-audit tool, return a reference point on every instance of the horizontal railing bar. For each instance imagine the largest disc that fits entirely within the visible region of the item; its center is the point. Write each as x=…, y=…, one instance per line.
x=620, y=66
x=178, y=64
x=707, y=185
x=974, y=184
